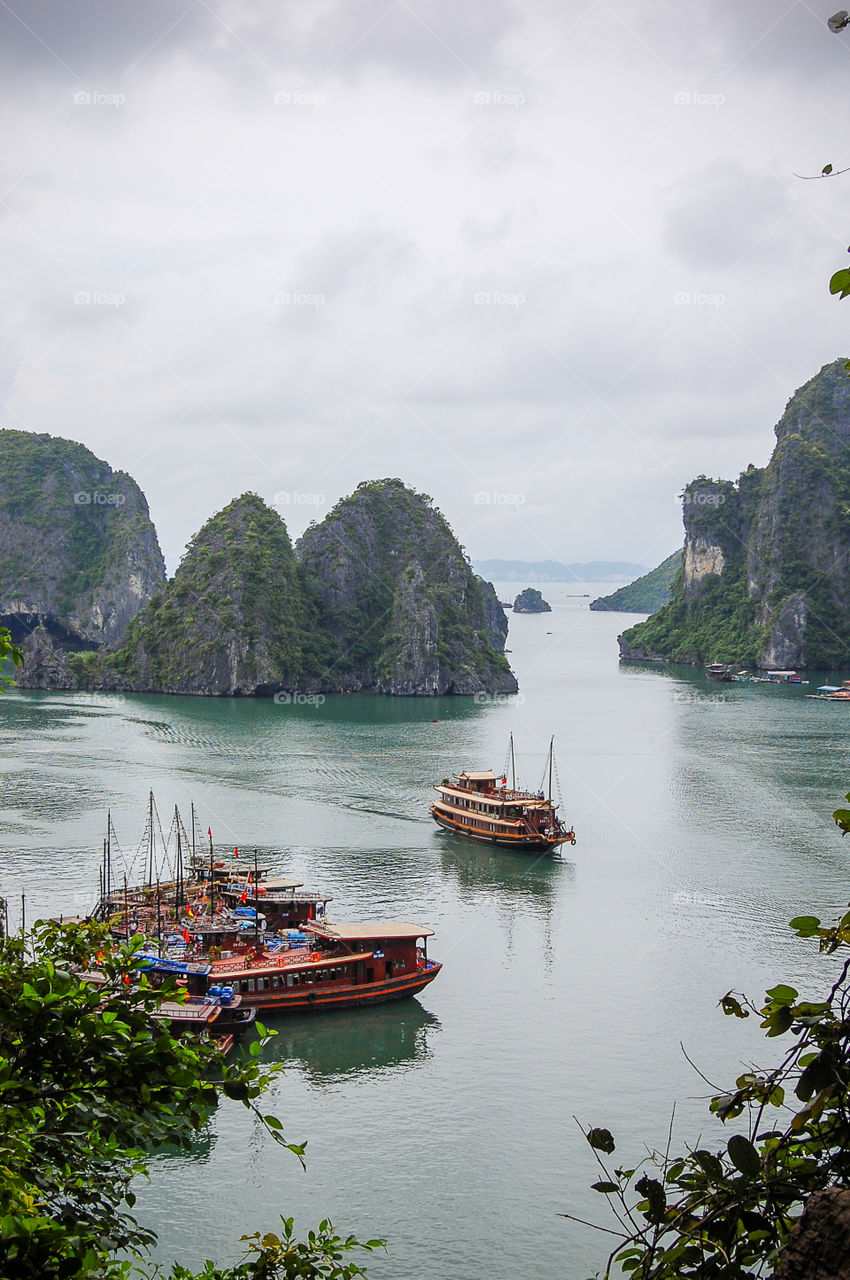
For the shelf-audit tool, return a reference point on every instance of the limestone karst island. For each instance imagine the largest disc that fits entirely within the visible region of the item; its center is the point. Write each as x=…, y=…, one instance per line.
x=764, y=579
x=377, y=598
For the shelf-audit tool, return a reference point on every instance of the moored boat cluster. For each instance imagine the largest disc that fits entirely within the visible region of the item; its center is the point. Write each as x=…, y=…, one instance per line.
x=237, y=940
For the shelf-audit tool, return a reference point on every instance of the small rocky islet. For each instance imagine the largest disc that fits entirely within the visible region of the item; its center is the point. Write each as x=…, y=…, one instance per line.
x=531, y=601
x=378, y=597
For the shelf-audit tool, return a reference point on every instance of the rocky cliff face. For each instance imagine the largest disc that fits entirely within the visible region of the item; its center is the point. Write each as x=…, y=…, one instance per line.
x=400, y=599
x=766, y=573
x=231, y=621
x=78, y=552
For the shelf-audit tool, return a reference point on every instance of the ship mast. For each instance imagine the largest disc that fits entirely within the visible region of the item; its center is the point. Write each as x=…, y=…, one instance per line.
x=150, y=839
x=178, y=895
x=551, y=756
x=513, y=766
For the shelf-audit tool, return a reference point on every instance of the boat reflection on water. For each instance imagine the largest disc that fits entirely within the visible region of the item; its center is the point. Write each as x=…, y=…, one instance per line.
x=359, y=1043
x=489, y=873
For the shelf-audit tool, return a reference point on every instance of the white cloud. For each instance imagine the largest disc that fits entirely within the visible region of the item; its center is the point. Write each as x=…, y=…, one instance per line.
x=557, y=250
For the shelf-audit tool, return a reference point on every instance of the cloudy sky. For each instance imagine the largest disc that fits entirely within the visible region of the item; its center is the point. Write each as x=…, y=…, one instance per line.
x=546, y=260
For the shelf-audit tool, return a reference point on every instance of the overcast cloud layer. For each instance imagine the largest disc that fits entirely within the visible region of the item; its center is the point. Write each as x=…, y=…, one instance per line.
x=545, y=261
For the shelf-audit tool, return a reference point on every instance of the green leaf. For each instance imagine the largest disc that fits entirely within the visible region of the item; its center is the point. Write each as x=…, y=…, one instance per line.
x=709, y=1164
x=605, y=1187
x=236, y=1089
x=778, y=1021
x=656, y=1197
x=731, y=1005
x=840, y=284
x=744, y=1155
x=806, y=926
x=601, y=1140
x=782, y=994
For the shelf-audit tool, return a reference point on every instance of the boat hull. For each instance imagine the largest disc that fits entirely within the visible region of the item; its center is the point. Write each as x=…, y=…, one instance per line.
x=319, y=999
x=525, y=843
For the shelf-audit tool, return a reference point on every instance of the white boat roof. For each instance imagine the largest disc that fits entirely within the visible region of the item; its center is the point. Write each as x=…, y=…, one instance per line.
x=371, y=931
x=782, y=673
x=277, y=885
x=486, y=775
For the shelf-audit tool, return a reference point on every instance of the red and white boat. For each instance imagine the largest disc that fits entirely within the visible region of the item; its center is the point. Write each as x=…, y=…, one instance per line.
x=344, y=966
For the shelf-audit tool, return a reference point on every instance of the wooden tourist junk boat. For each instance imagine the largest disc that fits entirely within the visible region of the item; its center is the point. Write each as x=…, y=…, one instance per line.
x=481, y=806
x=203, y=1009
x=207, y=1008
x=343, y=966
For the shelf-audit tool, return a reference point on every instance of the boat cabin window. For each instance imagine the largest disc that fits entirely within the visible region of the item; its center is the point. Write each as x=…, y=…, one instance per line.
x=250, y=984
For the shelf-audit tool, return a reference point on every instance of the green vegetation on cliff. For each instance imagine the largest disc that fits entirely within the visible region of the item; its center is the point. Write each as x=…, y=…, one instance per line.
x=765, y=578
x=646, y=594
x=396, y=591
x=232, y=620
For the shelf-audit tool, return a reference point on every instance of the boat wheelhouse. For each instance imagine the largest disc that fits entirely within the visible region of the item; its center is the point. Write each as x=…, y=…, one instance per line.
x=481, y=806
x=347, y=966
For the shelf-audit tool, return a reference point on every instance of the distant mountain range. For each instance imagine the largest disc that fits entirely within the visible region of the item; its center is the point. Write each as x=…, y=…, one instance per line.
x=555, y=571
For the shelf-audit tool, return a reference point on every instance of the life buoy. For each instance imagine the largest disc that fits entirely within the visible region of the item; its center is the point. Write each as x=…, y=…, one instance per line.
x=573, y=840
x=314, y=955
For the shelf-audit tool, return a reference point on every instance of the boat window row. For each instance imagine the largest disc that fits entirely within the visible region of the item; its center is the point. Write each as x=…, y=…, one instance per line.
x=478, y=806
x=276, y=981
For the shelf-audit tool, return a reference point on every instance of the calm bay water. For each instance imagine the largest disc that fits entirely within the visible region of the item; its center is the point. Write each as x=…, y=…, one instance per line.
x=446, y=1123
